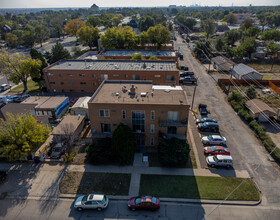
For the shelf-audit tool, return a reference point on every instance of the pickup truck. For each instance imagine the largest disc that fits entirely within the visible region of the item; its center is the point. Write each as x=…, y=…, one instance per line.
x=188, y=79
x=186, y=73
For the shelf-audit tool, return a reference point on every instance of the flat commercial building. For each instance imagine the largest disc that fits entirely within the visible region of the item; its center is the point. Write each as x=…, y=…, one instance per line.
x=171, y=55
x=87, y=75
x=151, y=111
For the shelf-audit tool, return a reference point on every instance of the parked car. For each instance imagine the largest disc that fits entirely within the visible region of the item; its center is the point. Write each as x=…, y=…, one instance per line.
x=21, y=98
x=219, y=160
x=4, y=87
x=188, y=79
x=203, y=109
x=186, y=73
x=57, y=151
x=214, y=140
x=208, y=126
x=202, y=120
x=180, y=55
x=216, y=150
x=184, y=68
x=91, y=201
x=144, y=202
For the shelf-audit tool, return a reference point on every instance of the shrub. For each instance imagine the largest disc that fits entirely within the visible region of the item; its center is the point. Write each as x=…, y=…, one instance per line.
x=251, y=93
x=173, y=152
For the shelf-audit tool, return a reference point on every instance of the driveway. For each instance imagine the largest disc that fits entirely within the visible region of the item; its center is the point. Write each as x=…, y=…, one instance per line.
x=247, y=151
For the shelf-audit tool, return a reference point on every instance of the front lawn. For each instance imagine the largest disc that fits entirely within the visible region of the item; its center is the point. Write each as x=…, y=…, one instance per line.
x=197, y=187
x=31, y=86
x=103, y=183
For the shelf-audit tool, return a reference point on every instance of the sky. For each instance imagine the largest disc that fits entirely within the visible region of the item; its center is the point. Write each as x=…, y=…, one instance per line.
x=130, y=3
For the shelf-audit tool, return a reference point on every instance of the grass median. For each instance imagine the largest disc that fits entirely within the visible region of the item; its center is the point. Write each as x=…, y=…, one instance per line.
x=198, y=187
x=103, y=183
x=31, y=85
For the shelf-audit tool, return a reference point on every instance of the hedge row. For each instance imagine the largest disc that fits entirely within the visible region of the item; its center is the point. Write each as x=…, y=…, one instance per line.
x=257, y=128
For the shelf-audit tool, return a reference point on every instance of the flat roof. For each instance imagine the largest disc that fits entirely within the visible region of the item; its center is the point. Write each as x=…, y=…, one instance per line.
x=68, y=125
x=120, y=92
x=145, y=53
x=82, y=102
x=45, y=102
x=114, y=65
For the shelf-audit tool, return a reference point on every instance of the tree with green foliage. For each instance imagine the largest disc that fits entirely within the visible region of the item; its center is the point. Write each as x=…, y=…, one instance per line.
x=262, y=20
x=173, y=152
x=38, y=56
x=232, y=36
x=123, y=144
x=20, y=135
x=18, y=68
x=246, y=48
x=201, y=49
x=93, y=21
x=159, y=35
x=11, y=39
x=41, y=33
x=230, y=18
x=208, y=25
x=58, y=52
x=253, y=32
x=117, y=19
x=72, y=27
x=272, y=49
x=137, y=56
x=119, y=38
x=146, y=22
x=271, y=35
x=219, y=44
x=89, y=35
x=247, y=23
x=154, y=58
x=100, y=152
x=142, y=39
x=28, y=39
x=251, y=92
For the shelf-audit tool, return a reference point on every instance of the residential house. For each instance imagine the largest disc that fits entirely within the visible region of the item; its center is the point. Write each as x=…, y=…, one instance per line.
x=242, y=71
x=260, y=110
x=151, y=111
x=80, y=107
x=222, y=64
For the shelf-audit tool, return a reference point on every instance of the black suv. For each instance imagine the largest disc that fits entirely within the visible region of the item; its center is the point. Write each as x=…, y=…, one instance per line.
x=203, y=109
x=208, y=126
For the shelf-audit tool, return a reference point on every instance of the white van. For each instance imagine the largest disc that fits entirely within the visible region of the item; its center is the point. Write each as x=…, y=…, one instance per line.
x=4, y=87
x=219, y=160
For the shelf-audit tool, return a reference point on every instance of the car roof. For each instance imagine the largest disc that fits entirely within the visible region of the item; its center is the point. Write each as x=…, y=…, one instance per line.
x=223, y=157
x=218, y=147
x=96, y=197
x=146, y=199
x=216, y=136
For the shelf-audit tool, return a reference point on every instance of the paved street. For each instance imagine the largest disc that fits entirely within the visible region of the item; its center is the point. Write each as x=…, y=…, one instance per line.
x=246, y=150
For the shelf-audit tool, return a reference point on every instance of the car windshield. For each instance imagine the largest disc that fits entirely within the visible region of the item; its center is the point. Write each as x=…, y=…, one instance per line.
x=215, y=158
x=137, y=200
x=213, y=148
x=103, y=200
x=57, y=149
x=154, y=199
x=210, y=138
x=84, y=198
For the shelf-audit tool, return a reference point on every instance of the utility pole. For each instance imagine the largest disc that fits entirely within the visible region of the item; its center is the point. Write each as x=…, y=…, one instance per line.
x=230, y=80
x=209, y=65
x=193, y=95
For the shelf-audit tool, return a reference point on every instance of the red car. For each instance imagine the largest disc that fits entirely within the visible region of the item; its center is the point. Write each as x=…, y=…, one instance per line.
x=216, y=150
x=144, y=202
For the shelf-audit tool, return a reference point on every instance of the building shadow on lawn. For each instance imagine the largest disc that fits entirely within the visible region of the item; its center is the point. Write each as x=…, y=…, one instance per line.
x=18, y=183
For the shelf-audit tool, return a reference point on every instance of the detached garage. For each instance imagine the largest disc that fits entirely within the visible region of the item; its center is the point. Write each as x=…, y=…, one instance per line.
x=242, y=71
x=81, y=107
x=261, y=111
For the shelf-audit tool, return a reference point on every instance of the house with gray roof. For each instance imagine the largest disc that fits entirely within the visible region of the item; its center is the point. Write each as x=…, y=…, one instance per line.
x=242, y=71
x=222, y=64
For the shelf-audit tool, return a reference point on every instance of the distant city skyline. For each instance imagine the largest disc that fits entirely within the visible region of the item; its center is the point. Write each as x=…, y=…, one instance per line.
x=134, y=3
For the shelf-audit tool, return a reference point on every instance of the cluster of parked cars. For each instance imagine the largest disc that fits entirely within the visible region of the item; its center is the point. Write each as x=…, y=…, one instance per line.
x=100, y=202
x=187, y=76
x=14, y=98
x=215, y=148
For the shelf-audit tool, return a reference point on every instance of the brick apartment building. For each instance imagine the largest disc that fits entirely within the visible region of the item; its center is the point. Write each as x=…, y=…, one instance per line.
x=87, y=75
x=151, y=111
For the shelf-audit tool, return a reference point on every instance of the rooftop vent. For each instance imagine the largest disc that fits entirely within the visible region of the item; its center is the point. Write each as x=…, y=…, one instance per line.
x=132, y=90
x=117, y=94
x=69, y=64
x=143, y=94
x=144, y=65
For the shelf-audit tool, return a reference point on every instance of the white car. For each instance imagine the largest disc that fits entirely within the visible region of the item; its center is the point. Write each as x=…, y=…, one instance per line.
x=91, y=201
x=214, y=140
x=219, y=160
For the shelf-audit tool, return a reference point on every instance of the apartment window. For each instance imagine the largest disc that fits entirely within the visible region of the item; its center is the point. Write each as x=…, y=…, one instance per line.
x=157, y=76
x=50, y=74
x=69, y=74
x=60, y=75
x=52, y=83
x=153, y=115
x=71, y=83
x=172, y=116
x=152, y=128
x=123, y=114
x=125, y=76
x=170, y=78
x=105, y=128
x=135, y=77
x=62, y=90
x=94, y=83
x=138, y=121
x=104, y=77
x=104, y=113
x=172, y=130
x=72, y=90
x=82, y=90
x=152, y=141
x=116, y=75
x=61, y=83
x=82, y=75
x=83, y=83
x=93, y=75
